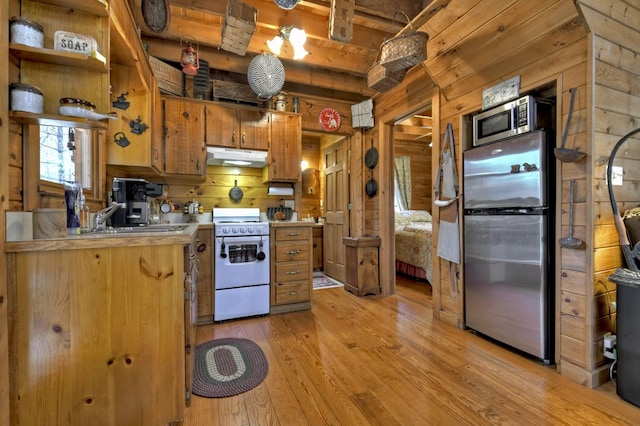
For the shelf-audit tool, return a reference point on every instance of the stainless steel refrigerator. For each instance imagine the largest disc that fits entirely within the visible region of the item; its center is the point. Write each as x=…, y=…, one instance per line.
x=508, y=242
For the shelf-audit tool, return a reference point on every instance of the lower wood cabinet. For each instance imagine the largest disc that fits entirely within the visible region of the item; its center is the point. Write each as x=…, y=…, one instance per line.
x=98, y=335
x=318, y=247
x=204, y=253
x=291, y=267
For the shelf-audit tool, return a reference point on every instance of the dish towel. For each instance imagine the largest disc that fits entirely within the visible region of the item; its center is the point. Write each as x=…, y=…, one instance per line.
x=449, y=229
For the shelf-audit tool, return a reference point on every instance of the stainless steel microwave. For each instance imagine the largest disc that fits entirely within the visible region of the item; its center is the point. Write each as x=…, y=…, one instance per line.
x=509, y=119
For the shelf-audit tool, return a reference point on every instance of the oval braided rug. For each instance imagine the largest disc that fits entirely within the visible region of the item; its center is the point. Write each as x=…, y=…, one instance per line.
x=227, y=367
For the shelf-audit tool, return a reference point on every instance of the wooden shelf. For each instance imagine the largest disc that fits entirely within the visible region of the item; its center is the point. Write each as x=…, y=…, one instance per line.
x=56, y=57
x=93, y=7
x=57, y=120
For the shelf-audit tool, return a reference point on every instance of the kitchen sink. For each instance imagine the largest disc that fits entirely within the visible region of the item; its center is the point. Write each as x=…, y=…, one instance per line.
x=140, y=229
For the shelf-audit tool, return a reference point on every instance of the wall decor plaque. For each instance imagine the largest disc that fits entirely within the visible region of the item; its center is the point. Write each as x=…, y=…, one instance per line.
x=73, y=42
x=501, y=93
x=329, y=119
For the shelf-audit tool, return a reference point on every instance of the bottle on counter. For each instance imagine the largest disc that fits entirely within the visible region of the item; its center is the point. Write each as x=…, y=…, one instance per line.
x=72, y=193
x=85, y=215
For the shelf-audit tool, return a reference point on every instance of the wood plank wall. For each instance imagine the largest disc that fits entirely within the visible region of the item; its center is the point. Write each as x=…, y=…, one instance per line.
x=7, y=75
x=615, y=67
x=475, y=45
x=540, y=55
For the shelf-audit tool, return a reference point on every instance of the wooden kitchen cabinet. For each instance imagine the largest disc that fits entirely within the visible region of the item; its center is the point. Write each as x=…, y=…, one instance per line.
x=204, y=252
x=107, y=325
x=185, y=152
x=233, y=126
x=362, y=276
x=318, y=247
x=143, y=155
x=57, y=73
x=291, y=267
x=285, y=148
x=191, y=294
x=131, y=77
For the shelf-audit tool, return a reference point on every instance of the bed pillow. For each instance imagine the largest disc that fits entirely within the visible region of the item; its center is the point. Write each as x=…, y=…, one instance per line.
x=407, y=217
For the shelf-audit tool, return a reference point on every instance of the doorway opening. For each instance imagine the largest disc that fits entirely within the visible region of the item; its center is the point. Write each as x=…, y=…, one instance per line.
x=412, y=151
x=323, y=165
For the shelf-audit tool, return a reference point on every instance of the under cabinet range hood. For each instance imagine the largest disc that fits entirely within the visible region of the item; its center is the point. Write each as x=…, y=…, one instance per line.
x=236, y=157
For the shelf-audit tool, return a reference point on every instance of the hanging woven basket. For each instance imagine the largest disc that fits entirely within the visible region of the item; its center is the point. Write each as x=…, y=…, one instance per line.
x=266, y=75
x=405, y=50
x=382, y=80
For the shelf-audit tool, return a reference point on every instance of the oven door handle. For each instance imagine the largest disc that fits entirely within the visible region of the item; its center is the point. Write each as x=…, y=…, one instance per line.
x=223, y=248
x=260, y=255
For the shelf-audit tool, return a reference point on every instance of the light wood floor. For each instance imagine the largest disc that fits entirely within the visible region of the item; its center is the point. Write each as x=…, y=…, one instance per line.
x=383, y=361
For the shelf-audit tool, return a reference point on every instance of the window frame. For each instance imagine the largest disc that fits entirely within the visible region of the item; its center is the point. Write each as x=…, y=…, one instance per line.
x=39, y=193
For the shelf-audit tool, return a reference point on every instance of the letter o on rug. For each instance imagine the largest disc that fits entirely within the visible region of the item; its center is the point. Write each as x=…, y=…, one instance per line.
x=227, y=367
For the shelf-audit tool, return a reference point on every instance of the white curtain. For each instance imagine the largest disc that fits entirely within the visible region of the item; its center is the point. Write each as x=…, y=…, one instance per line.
x=403, y=182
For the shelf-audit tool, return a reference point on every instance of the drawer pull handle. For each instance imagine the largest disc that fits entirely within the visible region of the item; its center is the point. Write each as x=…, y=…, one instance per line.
x=293, y=234
x=293, y=272
x=294, y=252
x=293, y=293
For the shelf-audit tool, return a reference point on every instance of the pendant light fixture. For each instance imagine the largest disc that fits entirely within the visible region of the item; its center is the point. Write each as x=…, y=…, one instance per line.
x=189, y=58
x=293, y=35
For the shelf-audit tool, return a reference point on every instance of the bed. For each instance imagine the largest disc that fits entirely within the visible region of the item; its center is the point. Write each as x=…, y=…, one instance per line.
x=413, y=243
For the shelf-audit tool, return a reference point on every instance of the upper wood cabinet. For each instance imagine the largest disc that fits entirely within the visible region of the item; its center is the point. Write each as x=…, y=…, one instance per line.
x=185, y=153
x=141, y=153
x=285, y=148
x=232, y=126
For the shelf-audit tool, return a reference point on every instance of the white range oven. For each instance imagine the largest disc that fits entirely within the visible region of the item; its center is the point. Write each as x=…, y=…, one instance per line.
x=241, y=266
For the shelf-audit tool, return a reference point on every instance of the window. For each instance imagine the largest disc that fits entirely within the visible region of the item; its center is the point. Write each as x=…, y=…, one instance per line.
x=66, y=155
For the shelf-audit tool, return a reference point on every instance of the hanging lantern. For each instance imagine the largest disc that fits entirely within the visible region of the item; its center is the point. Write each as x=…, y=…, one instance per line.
x=189, y=60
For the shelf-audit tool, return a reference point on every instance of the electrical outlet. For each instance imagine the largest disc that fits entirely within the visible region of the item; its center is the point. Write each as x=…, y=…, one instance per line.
x=289, y=203
x=610, y=345
x=616, y=175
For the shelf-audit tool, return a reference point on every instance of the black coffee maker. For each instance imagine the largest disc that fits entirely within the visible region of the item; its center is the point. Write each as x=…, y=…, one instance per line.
x=133, y=194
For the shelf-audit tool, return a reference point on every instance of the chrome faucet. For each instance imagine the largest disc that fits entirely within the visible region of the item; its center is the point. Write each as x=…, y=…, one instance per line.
x=106, y=213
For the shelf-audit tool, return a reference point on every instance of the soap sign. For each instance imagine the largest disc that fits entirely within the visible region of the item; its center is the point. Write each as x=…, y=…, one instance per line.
x=74, y=42
x=329, y=119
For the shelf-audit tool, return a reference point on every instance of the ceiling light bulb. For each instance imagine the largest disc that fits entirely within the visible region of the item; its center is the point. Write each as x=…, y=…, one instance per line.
x=275, y=44
x=298, y=37
x=299, y=52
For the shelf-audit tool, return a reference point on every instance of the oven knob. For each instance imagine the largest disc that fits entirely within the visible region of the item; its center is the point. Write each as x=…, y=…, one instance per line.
x=243, y=230
x=225, y=230
x=251, y=229
x=234, y=230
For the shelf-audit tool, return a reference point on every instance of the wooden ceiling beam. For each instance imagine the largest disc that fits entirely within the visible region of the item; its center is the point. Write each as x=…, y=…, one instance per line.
x=298, y=76
x=272, y=17
x=210, y=34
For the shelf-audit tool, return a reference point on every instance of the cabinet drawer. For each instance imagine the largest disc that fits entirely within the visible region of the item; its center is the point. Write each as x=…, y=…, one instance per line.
x=293, y=292
x=293, y=234
x=292, y=252
x=292, y=271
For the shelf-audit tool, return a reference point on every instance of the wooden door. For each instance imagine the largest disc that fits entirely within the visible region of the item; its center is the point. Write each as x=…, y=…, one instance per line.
x=221, y=127
x=254, y=129
x=336, y=199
